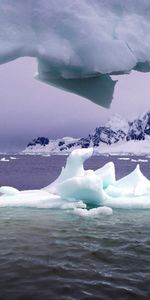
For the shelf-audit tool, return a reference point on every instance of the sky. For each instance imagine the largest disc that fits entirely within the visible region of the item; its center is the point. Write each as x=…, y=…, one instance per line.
x=30, y=108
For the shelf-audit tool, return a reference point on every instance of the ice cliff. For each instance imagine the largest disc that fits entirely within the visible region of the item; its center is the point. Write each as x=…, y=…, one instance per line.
x=79, y=44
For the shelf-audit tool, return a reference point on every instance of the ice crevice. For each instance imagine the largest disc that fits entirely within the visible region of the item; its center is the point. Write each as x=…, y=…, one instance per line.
x=79, y=44
x=87, y=193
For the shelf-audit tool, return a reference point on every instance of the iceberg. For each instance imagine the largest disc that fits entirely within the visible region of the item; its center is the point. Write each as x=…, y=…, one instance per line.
x=80, y=44
x=87, y=193
x=4, y=159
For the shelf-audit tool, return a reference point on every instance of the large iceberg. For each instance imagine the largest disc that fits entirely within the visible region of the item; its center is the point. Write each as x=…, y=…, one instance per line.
x=78, y=44
x=86, y=192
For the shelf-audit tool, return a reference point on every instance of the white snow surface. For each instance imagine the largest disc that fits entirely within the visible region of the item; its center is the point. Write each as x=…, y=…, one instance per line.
x=77, y=189
x=132, y=147
x=51, y=148
x=80, y=43
x=116, y=123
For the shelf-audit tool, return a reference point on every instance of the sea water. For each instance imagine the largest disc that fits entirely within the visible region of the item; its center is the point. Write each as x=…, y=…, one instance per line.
x=56, y=254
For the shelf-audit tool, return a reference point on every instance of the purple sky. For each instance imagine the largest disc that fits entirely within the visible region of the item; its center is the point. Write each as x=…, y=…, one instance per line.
x=30, y=108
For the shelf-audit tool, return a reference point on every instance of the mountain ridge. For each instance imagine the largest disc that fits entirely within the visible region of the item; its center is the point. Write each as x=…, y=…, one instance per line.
x=116, y=130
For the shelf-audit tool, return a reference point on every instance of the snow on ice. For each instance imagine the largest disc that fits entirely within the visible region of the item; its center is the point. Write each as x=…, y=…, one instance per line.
x=80, y=190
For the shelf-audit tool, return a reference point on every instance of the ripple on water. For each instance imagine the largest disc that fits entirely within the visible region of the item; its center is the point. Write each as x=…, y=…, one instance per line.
x=48, y=254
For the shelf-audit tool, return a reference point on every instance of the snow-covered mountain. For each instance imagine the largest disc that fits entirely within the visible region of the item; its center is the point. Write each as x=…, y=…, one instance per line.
x=116, y=131
x=45, y=145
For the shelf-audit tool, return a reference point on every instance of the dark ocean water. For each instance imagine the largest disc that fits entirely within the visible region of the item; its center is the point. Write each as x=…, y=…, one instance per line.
x=55, y=254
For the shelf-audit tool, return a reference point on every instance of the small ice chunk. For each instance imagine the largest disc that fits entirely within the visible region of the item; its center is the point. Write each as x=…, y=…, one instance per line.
x=139, y=160
x=123, y=158
x=4, y=159
x=94, y=212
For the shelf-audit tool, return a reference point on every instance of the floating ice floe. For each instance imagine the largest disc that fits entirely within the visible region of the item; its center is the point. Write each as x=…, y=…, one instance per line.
x=78, y=189
x=124, y=158
x=139, y=160
x=4, y=159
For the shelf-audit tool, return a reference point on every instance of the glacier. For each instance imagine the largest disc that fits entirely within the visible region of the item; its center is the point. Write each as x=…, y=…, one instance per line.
x=80, y=44
x=86, y=193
